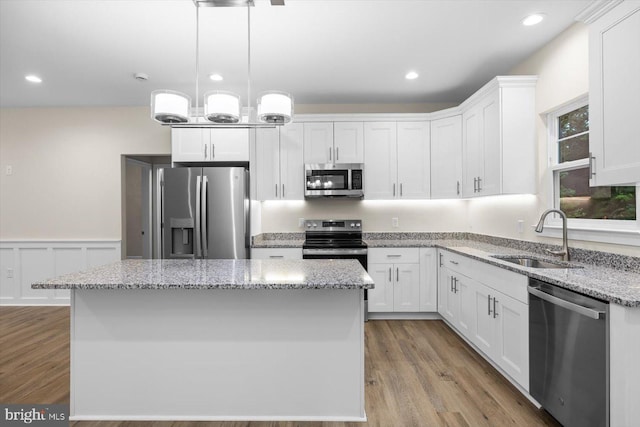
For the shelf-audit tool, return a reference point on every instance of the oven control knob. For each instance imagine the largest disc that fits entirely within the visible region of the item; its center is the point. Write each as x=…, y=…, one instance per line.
x=353, y=225
x=315, y=225
x=308, y=225
x=358, y=225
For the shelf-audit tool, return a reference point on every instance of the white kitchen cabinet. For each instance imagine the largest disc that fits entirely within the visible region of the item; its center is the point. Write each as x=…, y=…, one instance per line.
x=279, y=169
x=413, y=160
x=498, y=138
x=209, y=145
x=348, y=142
x=614, y=96
x=428, y=280
x=318, y=143
x=396, y=273
x=446, y=158
x=396, y=160
x=488, y=306
x=276, y=253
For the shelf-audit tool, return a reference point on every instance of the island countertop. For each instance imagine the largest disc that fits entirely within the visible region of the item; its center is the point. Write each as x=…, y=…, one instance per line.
x=217, y=274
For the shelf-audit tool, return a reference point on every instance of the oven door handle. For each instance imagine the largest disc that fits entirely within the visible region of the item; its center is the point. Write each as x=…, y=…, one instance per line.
x=334, y=251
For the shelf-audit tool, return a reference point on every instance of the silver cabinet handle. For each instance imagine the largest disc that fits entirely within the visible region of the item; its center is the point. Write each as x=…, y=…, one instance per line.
x=455, y=285
x=276, y=256
x=205, y=151
x=495, y=313
x=479, y=186
x=197, y=225
x=283, y=191
x=475, y=184
x=393, y=256
x=451, y=284
x=592, y=171
x=337, y=153
x=440, y=260
x=329, y=153
x=205, y=236
x=458, y=188
x=276, y=190
x=489, y=305
x=453, y=262
x=389, y=274
x=585, y=311
x=400, y=189
x=394, y=190
x=397, y=274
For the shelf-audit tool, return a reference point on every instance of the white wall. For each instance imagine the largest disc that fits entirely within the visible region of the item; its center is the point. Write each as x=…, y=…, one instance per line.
x=67, y=169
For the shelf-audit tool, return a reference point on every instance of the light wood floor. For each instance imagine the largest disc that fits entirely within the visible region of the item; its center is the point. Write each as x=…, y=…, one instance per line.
x=418, y=373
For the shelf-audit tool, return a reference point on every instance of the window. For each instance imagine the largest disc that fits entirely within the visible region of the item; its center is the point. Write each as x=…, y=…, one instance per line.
x=586, y=207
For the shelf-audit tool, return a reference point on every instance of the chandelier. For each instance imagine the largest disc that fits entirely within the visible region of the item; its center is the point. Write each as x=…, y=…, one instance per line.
x=221, y=108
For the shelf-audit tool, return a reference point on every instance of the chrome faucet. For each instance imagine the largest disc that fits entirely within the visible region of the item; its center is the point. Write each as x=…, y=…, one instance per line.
x=565, y=244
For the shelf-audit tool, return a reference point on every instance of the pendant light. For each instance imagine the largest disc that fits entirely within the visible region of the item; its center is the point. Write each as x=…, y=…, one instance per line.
x=221, y=108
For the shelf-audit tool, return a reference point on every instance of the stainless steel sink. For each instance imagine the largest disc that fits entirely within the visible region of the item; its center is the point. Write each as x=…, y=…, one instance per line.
x=534, y=262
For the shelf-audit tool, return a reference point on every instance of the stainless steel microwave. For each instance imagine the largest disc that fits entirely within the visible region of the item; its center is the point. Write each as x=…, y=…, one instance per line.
x=334, y=180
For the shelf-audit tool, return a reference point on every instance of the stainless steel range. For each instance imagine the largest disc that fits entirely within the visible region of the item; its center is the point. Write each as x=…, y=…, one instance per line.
x=336, y=239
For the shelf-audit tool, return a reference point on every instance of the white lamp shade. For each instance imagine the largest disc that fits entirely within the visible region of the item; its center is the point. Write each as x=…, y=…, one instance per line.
x=168, y=106
x=275, y=107
x=222, y=107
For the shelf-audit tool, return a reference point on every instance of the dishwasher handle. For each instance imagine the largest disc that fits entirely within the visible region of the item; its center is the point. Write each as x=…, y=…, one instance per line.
x=585, y=311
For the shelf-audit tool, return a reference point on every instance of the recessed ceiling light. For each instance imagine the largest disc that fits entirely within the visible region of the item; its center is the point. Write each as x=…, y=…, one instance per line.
x=533, y=19
x=33, y=79
x=411, y=75
x=216, y=77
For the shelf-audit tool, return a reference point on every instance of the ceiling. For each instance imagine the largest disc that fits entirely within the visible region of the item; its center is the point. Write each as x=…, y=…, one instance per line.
x=321, y=51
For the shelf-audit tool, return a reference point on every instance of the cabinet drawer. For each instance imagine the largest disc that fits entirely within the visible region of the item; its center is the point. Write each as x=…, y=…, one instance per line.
x=455, y=262
x=394, y=255
x=508, y=282
x=276, y=253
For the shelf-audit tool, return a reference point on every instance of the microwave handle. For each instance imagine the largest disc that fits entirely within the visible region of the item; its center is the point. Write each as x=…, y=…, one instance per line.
x=337, y=153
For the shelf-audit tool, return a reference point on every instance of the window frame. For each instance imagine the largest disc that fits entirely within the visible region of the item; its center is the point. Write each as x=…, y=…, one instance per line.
x=596, y=230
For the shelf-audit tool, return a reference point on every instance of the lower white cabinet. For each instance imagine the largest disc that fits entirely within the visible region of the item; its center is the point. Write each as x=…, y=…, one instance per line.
x=396, y=274
x=428, y=280
x=495, y=321
x=276, y=253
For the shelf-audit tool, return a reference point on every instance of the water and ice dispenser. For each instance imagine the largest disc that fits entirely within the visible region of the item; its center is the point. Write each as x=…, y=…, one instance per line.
x=181, y=237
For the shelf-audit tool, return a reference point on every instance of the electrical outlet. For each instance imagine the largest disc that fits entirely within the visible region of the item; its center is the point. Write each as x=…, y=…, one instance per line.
x=394, y=222
x=520, y=226
x=300, y=222
x=9, y=273
x=9, y=170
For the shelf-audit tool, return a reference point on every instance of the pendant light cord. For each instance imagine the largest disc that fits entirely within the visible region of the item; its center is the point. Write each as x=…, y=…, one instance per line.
x=248, y=62
x=197, y=58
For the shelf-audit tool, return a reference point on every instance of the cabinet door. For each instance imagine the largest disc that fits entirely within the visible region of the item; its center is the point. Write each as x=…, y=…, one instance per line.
x=447, y=299
x=380, y=160
x=381, y=297
x=512, y=345
x=190, y=144
x=267, y=169
x=229, y=145
x=318, y=143
x=348, y=141
x=483, y=329
x=292, y=162
x=406, y=287
x=413, y=160
x=428, y=280
x=490, y=176
x=614, y=95
x=471, y=151
x=446, y=158
x=463, y=287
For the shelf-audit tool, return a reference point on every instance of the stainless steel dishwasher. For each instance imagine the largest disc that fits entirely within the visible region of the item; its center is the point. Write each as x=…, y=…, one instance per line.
x=569, y=354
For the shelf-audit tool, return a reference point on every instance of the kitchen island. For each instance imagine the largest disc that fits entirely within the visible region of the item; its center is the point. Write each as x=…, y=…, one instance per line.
x=217, y=340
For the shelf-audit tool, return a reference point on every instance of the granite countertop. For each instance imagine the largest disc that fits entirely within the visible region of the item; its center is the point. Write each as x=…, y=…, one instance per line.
x=217, y=274
x=278, y=243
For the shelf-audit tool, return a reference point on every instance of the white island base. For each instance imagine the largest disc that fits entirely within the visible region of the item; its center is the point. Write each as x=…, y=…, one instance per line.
x=217, y=354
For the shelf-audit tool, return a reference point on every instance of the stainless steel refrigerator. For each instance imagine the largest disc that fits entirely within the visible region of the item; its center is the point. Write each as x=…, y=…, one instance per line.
x=205, y=212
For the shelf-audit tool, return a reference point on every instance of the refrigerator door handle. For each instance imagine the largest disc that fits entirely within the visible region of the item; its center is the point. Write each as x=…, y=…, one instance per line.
x=197, y=224
x=203, y=226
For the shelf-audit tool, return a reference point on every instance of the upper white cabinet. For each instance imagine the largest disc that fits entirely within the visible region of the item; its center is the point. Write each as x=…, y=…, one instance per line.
x=209, y=145
x=446, y=158
x=614, y=96
x=279, y=166
x=397, y=160
x=339, y=142
x=498, y=138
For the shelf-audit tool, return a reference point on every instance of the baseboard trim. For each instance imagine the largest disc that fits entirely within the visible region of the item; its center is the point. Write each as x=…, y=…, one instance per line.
x=403, y=316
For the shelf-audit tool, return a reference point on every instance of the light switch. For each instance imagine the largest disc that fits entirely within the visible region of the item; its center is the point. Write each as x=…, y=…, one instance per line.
x=394, y=222
x=520, y=226
x=9, y=273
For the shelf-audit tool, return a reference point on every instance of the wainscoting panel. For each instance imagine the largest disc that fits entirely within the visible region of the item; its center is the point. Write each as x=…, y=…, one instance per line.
x=25, y=262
